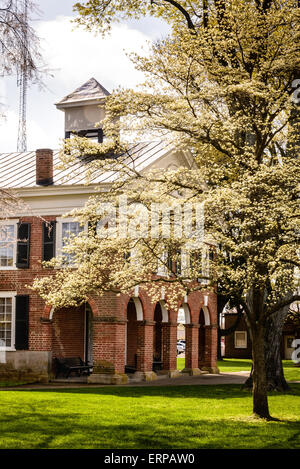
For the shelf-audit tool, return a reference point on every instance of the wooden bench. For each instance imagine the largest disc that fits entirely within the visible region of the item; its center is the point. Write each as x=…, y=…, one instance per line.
x=157, y=365
x=131, y=368
x=66, y=366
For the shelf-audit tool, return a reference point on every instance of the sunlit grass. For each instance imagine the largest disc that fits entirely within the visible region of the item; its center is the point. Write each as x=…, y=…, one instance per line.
x=291, y=372
x=146, y=417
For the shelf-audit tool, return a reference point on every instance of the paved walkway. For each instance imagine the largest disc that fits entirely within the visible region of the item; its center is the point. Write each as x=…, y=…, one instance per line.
x=205, y=379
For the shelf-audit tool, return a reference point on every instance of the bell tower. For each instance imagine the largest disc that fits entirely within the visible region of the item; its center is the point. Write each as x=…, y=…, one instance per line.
x=85, y=110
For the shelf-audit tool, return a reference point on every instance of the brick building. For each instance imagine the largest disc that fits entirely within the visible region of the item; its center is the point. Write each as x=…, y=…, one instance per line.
x=114, y=333
x=238, y=344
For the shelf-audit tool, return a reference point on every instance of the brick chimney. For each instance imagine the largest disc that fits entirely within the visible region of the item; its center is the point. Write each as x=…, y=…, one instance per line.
x=44, y=167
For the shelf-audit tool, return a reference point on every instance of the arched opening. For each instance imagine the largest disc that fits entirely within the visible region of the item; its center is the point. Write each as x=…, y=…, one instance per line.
x=72, y=332
x=134, y=314
x=72, y=335
x=201, y=344
x=157, y=337
x=88, y=333
x=183, y=318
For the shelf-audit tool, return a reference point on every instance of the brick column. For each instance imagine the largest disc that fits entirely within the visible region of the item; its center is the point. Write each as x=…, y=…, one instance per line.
x=169, y=338
x=209, y=362
x=201, y=346
x=191, y=349
x=144, y=351
x=108, y=351
x=42, y=341
x=145, y=346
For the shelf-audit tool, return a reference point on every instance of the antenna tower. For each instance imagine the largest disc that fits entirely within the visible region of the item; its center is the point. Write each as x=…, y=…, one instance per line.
x=23, y=84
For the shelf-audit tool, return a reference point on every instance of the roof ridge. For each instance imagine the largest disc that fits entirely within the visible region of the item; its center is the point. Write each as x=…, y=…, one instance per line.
x=91, y=89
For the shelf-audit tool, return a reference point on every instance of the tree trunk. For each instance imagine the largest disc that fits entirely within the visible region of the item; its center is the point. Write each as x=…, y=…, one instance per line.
x=273, y=362
x=274, y=369
x=260, y=396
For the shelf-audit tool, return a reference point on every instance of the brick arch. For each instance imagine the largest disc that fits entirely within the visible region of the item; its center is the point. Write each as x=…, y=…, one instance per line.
x=164, y=310
x=187, y=312
x=49, y=310
x=94, y=307
x=138, y=308
x=207, y=315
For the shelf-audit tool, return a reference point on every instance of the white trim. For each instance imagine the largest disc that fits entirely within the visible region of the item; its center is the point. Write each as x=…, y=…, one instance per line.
x=245, y=339
x=206, y=314
x=138, y=309
x=164, y=311
x=78, y=189
x=14, y=222
x=51, y=313
x=60, y=221
x=187, y=313
x=10, y=294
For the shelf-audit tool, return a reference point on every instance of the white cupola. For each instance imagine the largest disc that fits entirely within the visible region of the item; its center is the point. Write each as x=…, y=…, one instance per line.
x=84, y=108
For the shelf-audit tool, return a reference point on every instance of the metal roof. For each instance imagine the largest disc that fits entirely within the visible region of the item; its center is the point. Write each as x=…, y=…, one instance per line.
x=18, y=170
x=90, y=90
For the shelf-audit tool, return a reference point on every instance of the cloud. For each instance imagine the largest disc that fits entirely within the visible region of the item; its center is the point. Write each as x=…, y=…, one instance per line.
x=77, y=55
x=9, y=133
x=73, y=56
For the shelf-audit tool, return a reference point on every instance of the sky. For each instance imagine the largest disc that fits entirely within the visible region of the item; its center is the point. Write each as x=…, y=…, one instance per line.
x=72, y=57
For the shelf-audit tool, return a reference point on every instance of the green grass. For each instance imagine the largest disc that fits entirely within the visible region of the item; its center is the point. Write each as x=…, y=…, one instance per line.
x=146, y=417
x=5, y=384
x=291, y=372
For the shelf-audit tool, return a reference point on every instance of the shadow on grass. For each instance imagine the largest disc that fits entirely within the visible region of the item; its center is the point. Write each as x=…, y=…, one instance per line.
x=226, y=391
x=69, y=431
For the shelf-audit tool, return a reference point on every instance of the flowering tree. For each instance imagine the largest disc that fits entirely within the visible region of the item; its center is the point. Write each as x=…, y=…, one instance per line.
x=222, y=87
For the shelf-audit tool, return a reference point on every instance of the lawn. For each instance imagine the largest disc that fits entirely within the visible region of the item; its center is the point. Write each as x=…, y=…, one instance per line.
x=146, y=417
x=291, y=372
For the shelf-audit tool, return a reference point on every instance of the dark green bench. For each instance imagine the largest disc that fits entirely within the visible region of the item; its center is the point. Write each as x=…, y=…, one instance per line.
x=66, y=366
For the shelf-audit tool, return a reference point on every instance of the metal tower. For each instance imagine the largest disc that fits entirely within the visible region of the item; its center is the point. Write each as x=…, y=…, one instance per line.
x=23, y=83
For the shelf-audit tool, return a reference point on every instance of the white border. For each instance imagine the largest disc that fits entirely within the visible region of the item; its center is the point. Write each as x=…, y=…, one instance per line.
x=59, y=222
x=10, y=294
x=243, y=346
x=14, y=222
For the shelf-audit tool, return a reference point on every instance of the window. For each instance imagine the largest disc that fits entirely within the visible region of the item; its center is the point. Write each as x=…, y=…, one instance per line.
x=240, y=339
x=8, y=236
x=161, y=265
x=93, y=134
x=7, y=321
x=66, y=229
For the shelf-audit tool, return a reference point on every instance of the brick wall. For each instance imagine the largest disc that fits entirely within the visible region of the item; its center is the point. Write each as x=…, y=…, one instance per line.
x=230, y=350
x=64, y=334
x=68, y=333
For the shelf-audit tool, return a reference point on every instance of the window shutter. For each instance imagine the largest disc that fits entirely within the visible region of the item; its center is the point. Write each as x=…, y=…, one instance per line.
x=23, y=246
x=92, y=226
x=49, y=237
x=22, y=322
x=170, y=262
